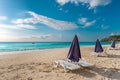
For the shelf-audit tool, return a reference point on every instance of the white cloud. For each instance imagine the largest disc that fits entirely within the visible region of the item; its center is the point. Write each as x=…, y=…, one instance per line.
x=61, y=9
x=95, y=3
x=3, y=18
x=104, y=27
x=112, y=34
x=28, y=37
x=90, y=3
x=62, y=2
x=10, y=35
x=50, y=22
x=87, y=24
x=26, y=21
x=44, y=36
x=84, y=22
x=14, y=26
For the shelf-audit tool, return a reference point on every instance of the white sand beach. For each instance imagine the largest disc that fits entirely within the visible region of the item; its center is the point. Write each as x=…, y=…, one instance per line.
x=38, y=65
x=37, y=34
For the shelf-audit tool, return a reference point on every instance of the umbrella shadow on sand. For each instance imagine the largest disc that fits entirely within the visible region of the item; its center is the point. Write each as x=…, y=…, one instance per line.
x=113, y=56
x=86, y=72
x=111, y=73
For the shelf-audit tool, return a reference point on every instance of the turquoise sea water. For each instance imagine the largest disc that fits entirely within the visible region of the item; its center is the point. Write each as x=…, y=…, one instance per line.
x=15, y=46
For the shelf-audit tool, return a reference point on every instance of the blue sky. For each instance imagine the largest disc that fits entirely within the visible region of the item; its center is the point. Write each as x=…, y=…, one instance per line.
x=58, y=20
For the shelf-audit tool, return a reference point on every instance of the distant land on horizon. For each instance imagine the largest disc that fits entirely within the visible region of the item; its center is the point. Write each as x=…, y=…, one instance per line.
x=110, y=38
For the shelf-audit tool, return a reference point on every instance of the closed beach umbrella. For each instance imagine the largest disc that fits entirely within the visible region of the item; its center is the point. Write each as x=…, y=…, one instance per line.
x=113, y=44
x=74, y=52
x=98, y=47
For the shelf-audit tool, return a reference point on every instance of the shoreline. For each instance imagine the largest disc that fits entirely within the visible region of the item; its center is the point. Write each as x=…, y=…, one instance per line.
x=31, y=50
x=38, y=47
x=26, y=51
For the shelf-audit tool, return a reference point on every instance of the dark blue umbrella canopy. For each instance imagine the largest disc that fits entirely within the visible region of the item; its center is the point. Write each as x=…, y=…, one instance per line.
x=98, y=47
x=74, y=52
x=113, y=44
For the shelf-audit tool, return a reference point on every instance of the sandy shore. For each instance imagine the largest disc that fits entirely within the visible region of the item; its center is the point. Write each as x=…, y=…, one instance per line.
x=37, y=65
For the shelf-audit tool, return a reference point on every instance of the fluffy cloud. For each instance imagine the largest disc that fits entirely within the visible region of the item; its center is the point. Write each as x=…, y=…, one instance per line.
x=50, y=22
x=104, y=27
x=61, y=9
x=87, y=24
x=90, y=3
x=14, y=26
x=84, y=22
x=114, y=33
x=3, y=17
x=62, y=2
x=10, y=36
x=6, y=35
x=45, y=36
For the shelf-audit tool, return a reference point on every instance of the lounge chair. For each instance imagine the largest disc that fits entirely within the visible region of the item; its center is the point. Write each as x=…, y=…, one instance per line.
x=66, y=65
x=82, y=63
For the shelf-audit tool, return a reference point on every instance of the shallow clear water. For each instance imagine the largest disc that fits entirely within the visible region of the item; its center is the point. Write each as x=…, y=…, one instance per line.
x=15, y=46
